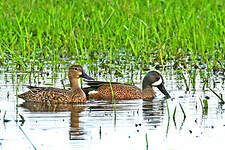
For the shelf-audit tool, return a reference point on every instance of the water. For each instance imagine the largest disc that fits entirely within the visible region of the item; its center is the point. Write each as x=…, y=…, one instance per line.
x=135, y=125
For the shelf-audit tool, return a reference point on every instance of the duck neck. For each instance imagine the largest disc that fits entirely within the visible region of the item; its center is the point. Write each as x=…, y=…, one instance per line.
x=148, y=93
x=74, y=83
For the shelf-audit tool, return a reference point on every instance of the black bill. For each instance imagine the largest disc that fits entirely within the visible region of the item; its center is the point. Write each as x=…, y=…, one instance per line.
x=163, y=90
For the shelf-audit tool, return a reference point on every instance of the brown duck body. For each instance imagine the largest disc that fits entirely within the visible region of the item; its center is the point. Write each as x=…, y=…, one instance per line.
x=56, y=95
x=120, y=91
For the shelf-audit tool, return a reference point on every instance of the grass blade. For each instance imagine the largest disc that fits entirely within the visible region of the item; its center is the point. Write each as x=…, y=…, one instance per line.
x=182, y=110
x=220, y=97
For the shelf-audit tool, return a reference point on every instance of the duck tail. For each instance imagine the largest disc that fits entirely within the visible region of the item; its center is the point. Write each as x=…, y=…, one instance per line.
x=23, y=95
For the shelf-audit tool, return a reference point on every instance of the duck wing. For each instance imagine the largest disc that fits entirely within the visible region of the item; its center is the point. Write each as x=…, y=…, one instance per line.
x=45, y=89
x=94, y=85
x=42, y=93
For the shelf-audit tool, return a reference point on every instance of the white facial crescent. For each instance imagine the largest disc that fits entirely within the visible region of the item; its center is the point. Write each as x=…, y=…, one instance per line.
x=157, y=82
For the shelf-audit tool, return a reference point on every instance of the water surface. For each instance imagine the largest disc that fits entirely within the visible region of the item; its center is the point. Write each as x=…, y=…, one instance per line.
x=135, y=125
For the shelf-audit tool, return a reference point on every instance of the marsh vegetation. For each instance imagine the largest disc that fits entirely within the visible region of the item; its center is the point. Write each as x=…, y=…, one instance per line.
x=115, y=41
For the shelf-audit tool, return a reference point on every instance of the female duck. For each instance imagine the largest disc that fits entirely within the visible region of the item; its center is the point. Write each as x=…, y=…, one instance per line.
x=103, y=90
x=56, y=95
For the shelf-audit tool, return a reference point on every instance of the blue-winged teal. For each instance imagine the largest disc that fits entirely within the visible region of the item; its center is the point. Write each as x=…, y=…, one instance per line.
x=102, y=90
x=56, y=95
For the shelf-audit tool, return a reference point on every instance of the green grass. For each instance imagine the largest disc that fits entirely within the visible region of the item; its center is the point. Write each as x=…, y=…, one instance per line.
x=222, y=102
x=146, y=139
x=36, y=32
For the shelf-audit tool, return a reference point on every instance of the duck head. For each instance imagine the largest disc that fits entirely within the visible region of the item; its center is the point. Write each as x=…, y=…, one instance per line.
x=76, y=72
x=154, y=79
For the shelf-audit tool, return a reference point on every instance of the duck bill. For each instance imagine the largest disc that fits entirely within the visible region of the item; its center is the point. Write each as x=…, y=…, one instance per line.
x=163, y=90
x=84, y=75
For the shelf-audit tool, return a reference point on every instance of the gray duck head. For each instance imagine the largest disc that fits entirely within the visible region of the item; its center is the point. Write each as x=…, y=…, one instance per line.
x=154, y=79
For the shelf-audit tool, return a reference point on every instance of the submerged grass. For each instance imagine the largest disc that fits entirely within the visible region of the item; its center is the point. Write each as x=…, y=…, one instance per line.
x=144, y=32
x=222, y=102
x=185, y=81
x=174, y=116
x=34, y=147
x=146, y=139
x=183, y=111
x=204, y=105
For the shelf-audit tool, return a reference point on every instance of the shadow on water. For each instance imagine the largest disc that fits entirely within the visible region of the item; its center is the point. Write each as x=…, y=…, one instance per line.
x=76, y=132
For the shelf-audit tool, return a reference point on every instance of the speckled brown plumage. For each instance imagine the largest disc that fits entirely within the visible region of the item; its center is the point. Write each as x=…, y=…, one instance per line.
x=56, y=95
x=102, y=90
x=120, y=91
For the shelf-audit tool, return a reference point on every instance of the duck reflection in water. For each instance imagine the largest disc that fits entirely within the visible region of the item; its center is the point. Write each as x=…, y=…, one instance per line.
x=76, y=132
x=153, y=112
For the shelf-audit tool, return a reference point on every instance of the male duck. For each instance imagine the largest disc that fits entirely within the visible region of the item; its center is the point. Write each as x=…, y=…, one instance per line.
x=56, y=95
x=103, y=90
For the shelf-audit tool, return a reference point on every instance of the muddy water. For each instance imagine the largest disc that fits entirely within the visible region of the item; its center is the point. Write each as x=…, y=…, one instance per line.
x=135, y=125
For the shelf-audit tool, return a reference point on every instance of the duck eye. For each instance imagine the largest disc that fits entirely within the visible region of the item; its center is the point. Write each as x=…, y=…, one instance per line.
x=75, y=69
